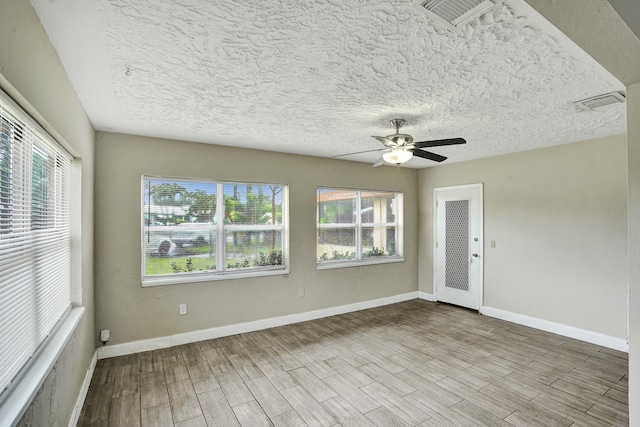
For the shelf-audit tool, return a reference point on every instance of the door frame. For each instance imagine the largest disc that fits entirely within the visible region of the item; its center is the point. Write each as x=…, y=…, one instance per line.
x=477, y=186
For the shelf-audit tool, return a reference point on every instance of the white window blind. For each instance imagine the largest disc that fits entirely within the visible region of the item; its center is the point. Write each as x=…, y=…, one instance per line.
x=35, y=240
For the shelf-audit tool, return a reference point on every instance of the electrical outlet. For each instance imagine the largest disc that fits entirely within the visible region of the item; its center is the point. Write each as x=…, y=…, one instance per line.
x=301, y=293
x=183, y=309
x=105, y=335
x=493, y=243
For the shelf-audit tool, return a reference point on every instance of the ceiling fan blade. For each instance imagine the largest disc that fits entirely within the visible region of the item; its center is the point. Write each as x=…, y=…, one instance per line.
x=440, y=142
x=380, y=162
x=386, y=141
x=428, y=155
x=358, y=152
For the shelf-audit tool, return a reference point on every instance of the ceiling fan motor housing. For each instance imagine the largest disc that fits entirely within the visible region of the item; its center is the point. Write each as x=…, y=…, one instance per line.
x=400, y=139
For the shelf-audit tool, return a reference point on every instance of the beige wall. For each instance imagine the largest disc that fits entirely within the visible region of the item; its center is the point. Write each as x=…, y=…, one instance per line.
x=559, y=219
x=31, y=73
x=135, y=313
x=596, y=27
x=633, y=112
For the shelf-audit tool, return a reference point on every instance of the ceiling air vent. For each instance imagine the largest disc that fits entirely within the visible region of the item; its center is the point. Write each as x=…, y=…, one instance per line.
x=455, y=13
x=600, y=101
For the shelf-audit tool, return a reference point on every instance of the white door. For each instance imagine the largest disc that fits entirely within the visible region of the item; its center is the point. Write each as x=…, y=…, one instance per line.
x=458, y=252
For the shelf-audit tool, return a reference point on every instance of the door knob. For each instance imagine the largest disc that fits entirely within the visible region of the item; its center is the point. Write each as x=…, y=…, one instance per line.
x=475, y=255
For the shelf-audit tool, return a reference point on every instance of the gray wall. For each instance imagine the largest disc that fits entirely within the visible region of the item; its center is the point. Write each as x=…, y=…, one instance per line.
x=31, y=73
x=559, y=219
x=135, y=313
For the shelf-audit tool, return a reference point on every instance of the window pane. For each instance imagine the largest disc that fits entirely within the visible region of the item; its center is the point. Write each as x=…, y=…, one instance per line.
x=336, y=206
x=248, y=249
x=180, y=231
x=336, y=244
x=175, y=202
x=253, y=204
x=188, y=247
x=377, y=241
x=377, y=207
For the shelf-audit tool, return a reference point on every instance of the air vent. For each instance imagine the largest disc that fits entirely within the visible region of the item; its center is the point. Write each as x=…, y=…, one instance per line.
x=455, y=13
x=600, y=101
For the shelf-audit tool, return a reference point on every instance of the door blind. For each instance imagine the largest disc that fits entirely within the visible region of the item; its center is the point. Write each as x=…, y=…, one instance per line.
x=35, y=240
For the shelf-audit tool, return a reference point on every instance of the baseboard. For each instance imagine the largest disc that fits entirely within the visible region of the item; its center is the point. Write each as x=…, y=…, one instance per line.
x=75, y=416
x=597, y=338
x=223, y=331
x=426, y=296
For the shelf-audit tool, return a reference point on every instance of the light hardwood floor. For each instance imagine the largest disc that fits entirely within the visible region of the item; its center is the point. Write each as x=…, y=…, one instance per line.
x=414, y=363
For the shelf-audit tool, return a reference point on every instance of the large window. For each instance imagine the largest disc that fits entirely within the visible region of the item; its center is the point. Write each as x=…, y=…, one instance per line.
x=204, y=230
x=35, y=240
x=356, y=226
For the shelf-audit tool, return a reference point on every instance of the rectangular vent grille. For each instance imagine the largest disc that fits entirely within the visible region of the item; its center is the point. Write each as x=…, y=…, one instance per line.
x=455, y=13
x=600, y=101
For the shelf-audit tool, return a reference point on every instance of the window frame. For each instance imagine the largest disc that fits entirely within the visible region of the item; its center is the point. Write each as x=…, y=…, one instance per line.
x=361, y=260
x=220, y=227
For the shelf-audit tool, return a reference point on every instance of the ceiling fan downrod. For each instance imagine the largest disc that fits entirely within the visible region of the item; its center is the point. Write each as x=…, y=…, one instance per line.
x=397, y=123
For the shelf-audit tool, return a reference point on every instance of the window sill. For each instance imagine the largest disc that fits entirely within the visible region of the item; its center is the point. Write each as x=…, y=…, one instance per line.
x=327, y=265
x=23, y=392
x=178, y=279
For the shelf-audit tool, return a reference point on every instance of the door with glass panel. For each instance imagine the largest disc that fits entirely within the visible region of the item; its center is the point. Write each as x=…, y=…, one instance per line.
x=458, y=245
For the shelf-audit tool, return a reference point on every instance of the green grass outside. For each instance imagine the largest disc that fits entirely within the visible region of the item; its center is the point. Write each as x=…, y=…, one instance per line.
x=242, y=252
x=160, y=265
x=164, y=266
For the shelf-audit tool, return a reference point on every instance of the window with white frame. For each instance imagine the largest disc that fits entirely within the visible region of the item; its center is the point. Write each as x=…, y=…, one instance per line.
x=356, y=226
x=35, y=239
x=197, y=230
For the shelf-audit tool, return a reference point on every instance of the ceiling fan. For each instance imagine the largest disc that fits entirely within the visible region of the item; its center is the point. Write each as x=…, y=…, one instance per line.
x=400, y=148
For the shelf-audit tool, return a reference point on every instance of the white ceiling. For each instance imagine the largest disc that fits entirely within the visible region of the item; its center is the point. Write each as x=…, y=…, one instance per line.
x=320, y=77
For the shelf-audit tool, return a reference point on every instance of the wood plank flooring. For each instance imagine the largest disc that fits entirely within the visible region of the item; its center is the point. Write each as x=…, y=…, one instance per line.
x=414, y=363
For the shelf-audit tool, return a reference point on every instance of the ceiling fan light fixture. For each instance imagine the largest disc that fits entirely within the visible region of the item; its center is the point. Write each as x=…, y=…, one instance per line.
x=398, y=156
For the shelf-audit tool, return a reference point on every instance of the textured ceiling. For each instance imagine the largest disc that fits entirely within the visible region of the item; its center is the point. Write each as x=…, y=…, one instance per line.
x=320, y=77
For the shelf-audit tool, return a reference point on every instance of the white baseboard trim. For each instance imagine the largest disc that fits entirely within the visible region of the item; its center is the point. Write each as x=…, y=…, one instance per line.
x=426, y=296
x=223, y=331
x=75, y=416
x=597, y=338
